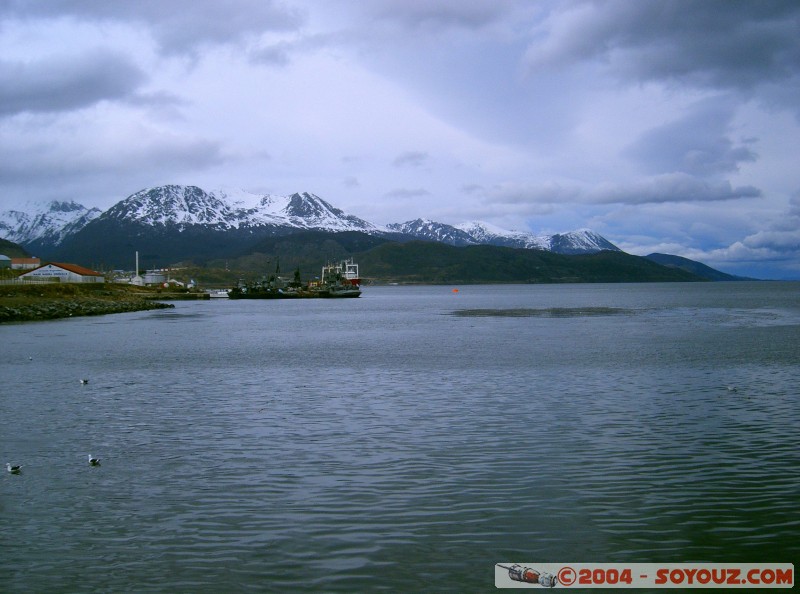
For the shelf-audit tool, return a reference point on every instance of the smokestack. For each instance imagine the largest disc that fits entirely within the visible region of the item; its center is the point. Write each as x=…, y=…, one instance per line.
x=137, y=263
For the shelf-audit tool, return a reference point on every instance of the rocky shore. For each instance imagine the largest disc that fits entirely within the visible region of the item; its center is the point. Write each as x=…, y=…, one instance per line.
x=50, y=310
x=24, y=303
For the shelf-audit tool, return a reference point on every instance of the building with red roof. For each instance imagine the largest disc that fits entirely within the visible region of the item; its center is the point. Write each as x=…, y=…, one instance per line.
x=65, y=273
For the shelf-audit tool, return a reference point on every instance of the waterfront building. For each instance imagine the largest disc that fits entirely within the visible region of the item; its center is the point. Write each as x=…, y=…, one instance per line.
x=65, y=273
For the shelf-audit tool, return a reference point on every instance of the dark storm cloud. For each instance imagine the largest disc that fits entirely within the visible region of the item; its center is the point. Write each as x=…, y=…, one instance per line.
x=179, y=26
x=54, y=163
x=658, y=189
x=713, y=43
x=66, y=83
x=670, y=187
x=438, y=13
x=699, y=143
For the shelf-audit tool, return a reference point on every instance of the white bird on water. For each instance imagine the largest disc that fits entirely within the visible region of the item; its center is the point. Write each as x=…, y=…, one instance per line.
x=94, y=461
x=13, y=469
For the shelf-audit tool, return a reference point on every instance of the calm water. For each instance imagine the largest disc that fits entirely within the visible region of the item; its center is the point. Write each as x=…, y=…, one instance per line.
x=404, y=441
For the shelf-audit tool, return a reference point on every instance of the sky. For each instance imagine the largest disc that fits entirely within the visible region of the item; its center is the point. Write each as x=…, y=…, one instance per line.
x=666, y=126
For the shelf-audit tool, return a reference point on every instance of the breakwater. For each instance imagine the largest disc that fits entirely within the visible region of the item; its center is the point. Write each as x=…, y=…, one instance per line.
x=19, y=303
x=50, y=309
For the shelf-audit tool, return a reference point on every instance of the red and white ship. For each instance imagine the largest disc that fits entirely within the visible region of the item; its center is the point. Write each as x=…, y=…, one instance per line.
x=345, y=272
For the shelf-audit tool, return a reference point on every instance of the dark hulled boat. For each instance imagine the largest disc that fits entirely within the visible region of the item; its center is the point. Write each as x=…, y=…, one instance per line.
x=340, y=280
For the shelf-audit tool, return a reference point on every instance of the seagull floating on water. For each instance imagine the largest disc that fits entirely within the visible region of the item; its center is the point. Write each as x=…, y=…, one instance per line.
x=94, y=461
x=732, y=389
x=84, y=381
x=13, y=469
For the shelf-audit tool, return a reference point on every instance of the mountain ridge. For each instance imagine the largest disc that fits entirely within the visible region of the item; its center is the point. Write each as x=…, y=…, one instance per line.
x=694, y=267
x=178, y=208
x=48, y=223
x=180, y=223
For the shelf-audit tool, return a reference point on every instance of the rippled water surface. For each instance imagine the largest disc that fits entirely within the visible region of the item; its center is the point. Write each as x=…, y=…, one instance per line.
x=404, y=441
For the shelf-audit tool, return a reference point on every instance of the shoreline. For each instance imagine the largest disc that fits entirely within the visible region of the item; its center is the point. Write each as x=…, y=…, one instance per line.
x=53, y=310
x=31, y=303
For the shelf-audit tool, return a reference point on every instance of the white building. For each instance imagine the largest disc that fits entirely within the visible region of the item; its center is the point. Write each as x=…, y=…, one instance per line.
x=151, y=277
x=65, y=273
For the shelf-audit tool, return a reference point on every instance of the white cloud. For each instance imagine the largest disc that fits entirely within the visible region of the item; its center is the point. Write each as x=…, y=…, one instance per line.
x=403, y=193
x=410, y=159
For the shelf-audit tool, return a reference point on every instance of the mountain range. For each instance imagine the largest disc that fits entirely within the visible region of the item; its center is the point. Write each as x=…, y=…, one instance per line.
x=173, y=224
x=179, y=222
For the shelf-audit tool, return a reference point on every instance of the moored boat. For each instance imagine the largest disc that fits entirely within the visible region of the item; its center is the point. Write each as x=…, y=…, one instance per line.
x=338, y=280
x=340, y=291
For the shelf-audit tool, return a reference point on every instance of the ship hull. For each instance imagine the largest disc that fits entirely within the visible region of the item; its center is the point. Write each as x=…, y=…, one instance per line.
x=349, y=292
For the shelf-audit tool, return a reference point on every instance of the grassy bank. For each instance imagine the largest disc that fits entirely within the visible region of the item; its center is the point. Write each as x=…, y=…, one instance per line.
x=22, y=303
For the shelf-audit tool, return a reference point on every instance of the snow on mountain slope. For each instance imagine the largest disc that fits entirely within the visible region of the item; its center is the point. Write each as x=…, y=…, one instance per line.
x=432, y=231
x=581, y=241
x=180, y=207
x=309, y=211
x=15, y=225
x=48, y=222
x=478, y=233
x=174, y=205
x=486, y=233
x=183, y=206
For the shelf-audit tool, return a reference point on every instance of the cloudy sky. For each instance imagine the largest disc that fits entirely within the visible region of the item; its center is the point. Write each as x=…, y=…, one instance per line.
x=664, y=125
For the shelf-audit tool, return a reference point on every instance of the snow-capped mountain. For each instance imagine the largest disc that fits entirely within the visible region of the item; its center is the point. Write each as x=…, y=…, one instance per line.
x=582, y=241
x=184, y=206
x=47, y=223
x=179, y=206
x=308, y=211
x=194, y=218
x=428, y=230
x=485, y=233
